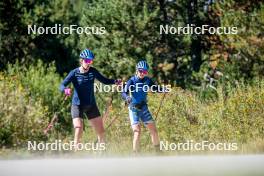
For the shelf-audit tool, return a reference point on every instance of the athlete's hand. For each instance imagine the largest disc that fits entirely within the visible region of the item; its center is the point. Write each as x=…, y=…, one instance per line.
x=128, y=99
x=67, y=91
x=118, y=81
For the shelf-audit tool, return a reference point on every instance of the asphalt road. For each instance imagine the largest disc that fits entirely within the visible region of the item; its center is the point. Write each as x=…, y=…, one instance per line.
x=162, y=166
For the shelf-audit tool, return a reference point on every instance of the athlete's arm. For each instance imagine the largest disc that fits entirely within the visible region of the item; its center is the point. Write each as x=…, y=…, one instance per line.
x=103, y=79
x=66, y=81
x=125, y=93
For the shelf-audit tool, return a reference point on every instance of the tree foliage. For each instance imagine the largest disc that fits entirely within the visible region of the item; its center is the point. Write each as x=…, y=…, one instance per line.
x=17, y=44
x=133, y=33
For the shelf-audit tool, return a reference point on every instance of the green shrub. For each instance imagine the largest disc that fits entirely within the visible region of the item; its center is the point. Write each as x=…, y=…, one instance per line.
x=22, y=118
x=30, y=97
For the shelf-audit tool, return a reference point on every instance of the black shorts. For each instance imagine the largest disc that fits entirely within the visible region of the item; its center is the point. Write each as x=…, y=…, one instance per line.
x=91, y=111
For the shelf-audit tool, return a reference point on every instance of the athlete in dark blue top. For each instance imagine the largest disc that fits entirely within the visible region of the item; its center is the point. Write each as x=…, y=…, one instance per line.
x=84, y=85
x=83, y=100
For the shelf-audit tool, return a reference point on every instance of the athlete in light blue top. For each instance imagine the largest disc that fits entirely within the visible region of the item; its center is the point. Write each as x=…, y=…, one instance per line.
x=135, y=94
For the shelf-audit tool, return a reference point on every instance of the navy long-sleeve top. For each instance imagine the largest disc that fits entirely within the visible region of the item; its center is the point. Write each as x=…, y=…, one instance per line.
x=83, y=84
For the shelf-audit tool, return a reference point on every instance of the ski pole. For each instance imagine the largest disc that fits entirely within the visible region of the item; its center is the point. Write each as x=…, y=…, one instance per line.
x=106, y=114
x=161, y=102
x=109, y=125
x=54, y=119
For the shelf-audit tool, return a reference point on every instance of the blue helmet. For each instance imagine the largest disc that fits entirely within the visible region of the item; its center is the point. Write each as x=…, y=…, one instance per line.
x=87, y=54
x=142, y=65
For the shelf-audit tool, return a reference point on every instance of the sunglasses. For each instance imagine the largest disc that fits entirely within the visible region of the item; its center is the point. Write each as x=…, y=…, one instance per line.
x=143, y=72
x=88, y=61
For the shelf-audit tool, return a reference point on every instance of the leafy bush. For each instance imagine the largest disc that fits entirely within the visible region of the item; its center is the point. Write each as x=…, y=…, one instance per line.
x=30, y=97
x=22, y=118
